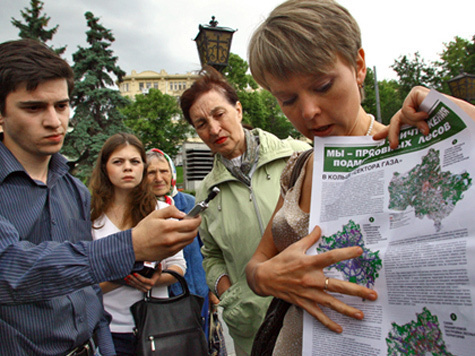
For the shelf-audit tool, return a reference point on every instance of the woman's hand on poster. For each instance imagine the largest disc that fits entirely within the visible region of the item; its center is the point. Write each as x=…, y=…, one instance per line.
x=299, y=278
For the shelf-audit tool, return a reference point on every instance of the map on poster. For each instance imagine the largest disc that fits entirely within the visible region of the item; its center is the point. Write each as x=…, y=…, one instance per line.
x=411, y=211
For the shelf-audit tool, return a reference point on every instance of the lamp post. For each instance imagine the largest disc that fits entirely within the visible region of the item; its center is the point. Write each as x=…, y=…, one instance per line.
x=214, y=44
x=463, y=86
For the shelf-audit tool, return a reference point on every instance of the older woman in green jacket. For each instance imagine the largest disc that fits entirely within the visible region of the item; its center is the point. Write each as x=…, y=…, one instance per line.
x=247, y=168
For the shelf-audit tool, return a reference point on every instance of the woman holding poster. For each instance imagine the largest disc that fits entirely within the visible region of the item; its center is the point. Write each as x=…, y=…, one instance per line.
x=308, y=54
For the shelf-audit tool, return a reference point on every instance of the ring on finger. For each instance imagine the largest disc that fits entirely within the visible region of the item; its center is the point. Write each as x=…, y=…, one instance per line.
x=325, y=287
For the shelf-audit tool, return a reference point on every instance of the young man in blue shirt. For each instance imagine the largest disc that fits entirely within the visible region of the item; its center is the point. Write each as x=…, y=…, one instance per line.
x=50, y=302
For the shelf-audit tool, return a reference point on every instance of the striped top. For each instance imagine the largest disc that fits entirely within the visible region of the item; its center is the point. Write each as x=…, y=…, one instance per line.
x=50, y=301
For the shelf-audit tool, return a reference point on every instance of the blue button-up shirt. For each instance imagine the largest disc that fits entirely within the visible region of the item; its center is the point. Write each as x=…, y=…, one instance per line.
x=50, y=301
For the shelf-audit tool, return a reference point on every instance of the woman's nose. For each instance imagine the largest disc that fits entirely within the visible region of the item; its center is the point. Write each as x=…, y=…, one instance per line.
x=127, y=166
x=214, y=127
x=309, y=106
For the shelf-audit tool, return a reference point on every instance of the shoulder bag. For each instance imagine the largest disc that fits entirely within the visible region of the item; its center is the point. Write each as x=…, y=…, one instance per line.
x=170, y=326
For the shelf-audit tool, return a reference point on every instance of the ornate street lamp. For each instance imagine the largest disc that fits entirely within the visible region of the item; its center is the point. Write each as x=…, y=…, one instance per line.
x=463, y=86
x=214, y=44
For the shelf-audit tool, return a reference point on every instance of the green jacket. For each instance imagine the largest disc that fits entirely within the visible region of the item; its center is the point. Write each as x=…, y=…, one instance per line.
x=232, y=228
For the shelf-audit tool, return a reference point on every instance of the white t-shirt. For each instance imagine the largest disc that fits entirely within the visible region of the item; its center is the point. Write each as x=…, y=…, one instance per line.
x=118, y=301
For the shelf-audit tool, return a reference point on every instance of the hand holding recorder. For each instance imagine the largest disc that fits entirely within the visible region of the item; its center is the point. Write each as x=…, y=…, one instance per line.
x=201, y=206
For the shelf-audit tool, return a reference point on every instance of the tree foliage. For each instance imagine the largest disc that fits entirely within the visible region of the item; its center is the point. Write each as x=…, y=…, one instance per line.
x=236, y=72
x=35, y=25
x=97, y=113
x=260, y=108
x=156, y=120
x=389, y=97
x=263, y=111
x=415, y=71
x=458, y=55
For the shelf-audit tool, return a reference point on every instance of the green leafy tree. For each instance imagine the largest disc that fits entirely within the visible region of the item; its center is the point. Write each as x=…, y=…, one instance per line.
x=156, y=120
x=412, y=72
x=97, y=106
x=260, y=108
x=455, y=57
x=389, y=97
x=458, y=55
x=469, y=64
x=369, y=101
x=236, y=72
x=34, y=26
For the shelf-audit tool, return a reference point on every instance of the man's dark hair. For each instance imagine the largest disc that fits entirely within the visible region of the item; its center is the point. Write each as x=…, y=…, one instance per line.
x=31, y=62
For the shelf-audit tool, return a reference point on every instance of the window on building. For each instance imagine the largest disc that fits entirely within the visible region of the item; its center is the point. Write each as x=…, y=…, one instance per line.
x=141, y=86
x=155, y=85
x=149, y=85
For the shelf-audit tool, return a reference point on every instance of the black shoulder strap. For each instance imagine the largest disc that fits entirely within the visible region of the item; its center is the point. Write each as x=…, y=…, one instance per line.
x=298, y=166
x=266, y=336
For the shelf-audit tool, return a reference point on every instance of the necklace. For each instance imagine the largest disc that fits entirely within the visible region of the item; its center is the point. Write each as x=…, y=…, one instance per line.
x=370, y=128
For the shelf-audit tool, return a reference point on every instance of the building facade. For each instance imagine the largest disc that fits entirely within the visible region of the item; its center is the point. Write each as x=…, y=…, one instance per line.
x=171, y=84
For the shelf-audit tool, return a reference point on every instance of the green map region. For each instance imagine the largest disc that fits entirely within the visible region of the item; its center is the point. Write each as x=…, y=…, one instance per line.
x=421, y=337
x=362, y=270
x=431, y=192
